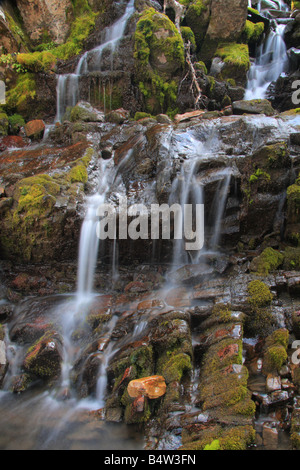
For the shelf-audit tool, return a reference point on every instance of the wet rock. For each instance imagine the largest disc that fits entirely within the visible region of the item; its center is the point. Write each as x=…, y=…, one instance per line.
x=273, y=383
x=151, y=387
x=253, y=107
x=44, y=358
x=118, y=116
x=270, y=436
x=84, y=112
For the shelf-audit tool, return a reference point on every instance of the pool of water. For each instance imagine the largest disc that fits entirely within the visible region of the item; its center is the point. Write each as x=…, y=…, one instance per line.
x=39, y=422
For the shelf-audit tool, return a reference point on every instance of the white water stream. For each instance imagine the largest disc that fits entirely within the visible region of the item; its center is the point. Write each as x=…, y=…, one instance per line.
x=91, y=61
x=271, y=57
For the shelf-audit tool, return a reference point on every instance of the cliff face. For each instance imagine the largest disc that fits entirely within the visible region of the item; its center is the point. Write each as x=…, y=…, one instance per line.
x=46, y=18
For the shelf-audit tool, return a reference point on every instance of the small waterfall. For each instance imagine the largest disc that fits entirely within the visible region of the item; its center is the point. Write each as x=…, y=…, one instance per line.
x=271, y=59
x=187, y=190
x=67, y=88
x=218, y=208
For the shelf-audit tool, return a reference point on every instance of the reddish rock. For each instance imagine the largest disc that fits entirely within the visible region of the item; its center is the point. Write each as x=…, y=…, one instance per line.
x=12, y=141
x=187, y=116
x=151, y=387
x=35, y=129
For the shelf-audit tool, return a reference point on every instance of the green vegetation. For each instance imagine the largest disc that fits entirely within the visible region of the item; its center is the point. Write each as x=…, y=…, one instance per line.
x=269, y=260
x=259, y=294
x=159, y=55
x=259, y=175
x=234, y=54
x=293, y=198
x=252, y=32
x=276, y=351
x=24, y=91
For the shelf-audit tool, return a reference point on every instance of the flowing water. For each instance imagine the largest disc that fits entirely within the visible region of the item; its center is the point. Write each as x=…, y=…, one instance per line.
x=271, y=58
x=67, y=89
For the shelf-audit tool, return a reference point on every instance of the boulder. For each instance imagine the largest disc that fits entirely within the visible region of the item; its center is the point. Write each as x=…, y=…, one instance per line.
x=151, y=387
x=227, y=21
x=35, y=129
x=253, y=107
x=84, y=112
x=51, y=16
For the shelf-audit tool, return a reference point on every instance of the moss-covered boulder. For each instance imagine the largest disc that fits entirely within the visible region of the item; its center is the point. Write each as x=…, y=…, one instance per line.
x=226, y=24
x=275, y=354
x=236, y=61
x=269, y=260
x=197, y=18
x=159, y=61
x=44, y=358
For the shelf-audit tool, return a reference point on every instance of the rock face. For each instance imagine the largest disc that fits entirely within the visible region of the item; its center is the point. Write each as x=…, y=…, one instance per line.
x=227, y=20
x=51, y=16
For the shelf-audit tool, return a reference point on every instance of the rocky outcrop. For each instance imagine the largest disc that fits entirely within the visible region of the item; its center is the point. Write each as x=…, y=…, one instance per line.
x=51, y=18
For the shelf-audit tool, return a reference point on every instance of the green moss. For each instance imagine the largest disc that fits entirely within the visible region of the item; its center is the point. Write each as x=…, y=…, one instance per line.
x=268, y=261
x=37, y=61
x=16, y=121
x=291, y=258
x=188, y=36
x=274, y=358
x=143, y=360
x=234, y=54
x=157, y=37
x=278, y=338
x=259, y=175
x=293, y=201
x=176, y=367
x=215, y=445
x=252, y=32
x=24, y=91
x=140, y=115
x=197, y=18
x=259, y=294
x=237, y=438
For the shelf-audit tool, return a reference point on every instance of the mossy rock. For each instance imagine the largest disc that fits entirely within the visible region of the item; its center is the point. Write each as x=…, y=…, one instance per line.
x=293, y=202
x=259, y=294
x=236, y=61
x=275, y=354
x=174, y=369
x=159, y=61
x=252, y=32
x=197, y=18
x=268, y=261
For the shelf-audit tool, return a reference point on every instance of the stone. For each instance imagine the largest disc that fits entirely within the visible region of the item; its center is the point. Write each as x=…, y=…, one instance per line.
x=227, y=21
x=84, y=112
x=253, y=107
x=273, y=383
x=35, y=129
x=151, y=387
x=51, y=16
x=270, y=436
x=118, y=116
x=187, y=116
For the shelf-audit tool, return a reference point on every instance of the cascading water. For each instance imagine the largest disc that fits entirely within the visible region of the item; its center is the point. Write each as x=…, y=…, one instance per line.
x=271, y=58
x=68, y=85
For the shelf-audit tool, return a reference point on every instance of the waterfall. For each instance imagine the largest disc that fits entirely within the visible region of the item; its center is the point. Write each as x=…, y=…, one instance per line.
x=67, y=88
x=271, y=60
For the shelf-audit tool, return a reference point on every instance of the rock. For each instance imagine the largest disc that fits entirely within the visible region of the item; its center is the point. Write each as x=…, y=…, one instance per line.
x=13, y=141
x=84, y=112
x=52, y=17
x=273, y=383
x=163, y=119
x=44, y=358
x=295, y=138
x=253, y=107
x=118, y=116
x=151, y=387
x=187, y=116
x=270, y=436
x=35, y=129
x=227, y=21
